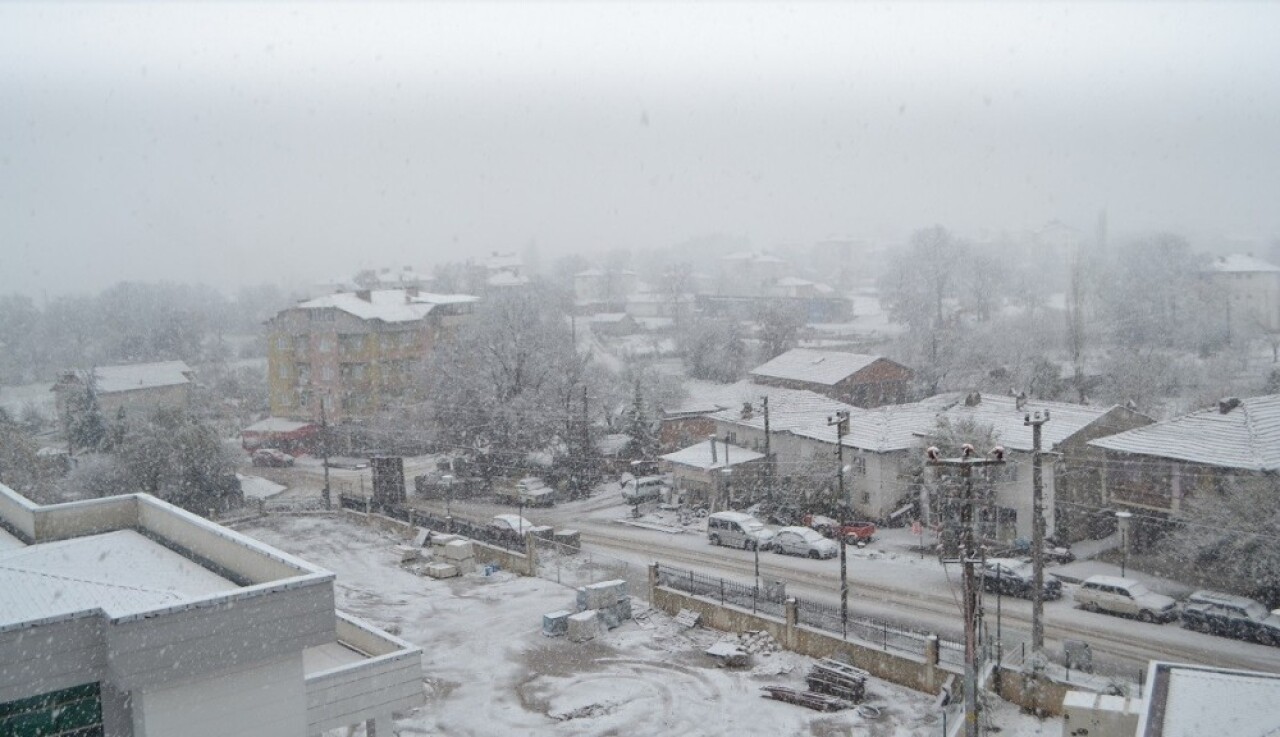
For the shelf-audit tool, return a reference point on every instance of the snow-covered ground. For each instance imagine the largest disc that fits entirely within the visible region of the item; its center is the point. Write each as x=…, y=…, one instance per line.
x=490, y=671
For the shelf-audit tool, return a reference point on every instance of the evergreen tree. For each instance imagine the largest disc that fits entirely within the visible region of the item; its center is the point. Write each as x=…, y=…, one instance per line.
x=644, y=442
x=85, y=427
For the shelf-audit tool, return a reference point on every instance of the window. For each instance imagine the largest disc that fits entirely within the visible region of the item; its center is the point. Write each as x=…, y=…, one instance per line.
x=326, y=373
x=325, y=345
x=302, y=343
x=282, y=342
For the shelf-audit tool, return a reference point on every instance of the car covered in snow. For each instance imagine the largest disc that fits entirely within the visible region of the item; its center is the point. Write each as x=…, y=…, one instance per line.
x=803, y=541
x=1014, y=577
x=511, y=526
x=737, y=530
x=643, y=489
x=270, y=457
x=1231, y=616
x=1123, y=596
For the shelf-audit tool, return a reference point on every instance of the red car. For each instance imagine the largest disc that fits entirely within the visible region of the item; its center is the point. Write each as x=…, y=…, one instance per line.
x=851, y=532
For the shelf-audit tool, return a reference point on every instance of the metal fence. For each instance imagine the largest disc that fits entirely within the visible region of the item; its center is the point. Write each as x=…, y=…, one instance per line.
x=572, y=566
x=726, y=592
x=474, y=530
x=815, y=614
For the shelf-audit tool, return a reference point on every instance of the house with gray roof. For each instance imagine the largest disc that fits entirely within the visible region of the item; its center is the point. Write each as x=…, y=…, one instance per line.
x=853, y=378
x=1153, y=470
x=137, y=388
x=1248, y=291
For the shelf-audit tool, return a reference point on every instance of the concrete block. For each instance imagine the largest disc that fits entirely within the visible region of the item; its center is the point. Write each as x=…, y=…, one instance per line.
x=459, y=550
x=542, y=532
x=407, y=553
x=555, y=624
x=584, y=626
x=440, y=570
x=440, y=540
x=570, y=541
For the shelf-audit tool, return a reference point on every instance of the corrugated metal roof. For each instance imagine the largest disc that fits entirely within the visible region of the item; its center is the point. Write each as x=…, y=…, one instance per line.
x=1246, y=437
x=788, y=408
x=815, y=367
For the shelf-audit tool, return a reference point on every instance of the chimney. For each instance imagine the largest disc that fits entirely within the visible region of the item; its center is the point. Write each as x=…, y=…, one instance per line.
x=714, y=459
x=746, y=410
x=1227, y=404
x=364, y=294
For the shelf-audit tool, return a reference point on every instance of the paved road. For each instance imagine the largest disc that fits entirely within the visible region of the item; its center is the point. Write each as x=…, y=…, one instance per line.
x=923, y=598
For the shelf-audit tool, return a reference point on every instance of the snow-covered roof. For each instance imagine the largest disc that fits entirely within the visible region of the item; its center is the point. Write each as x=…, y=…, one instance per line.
x=1194, y=700
x=613, y=443
x=276, y=424
x=121, y=572
x=507, y=279
x=1001, y=412
x=885, y=429
x=256, y=487
x=609, y=317
x=699, y=456
x=788, y=408
x=108, y=379
x=498, y=261
x=1247, y=436
x=793, y=281
x=387, y=305
x=1241, y=263
x=815, y=367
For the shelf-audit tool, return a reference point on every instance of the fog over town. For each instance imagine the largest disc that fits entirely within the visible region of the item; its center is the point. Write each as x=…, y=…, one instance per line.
x=589, y=368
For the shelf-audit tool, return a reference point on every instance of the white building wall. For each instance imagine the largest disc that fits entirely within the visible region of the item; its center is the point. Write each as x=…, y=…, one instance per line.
x=1018, y=494
x=267, y=700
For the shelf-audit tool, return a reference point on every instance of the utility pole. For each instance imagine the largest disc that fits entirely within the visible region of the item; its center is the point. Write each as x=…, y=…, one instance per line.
x=968, y=555
x=841, y=423
x=324, y=452
x=768, y=457
x=1034, y=420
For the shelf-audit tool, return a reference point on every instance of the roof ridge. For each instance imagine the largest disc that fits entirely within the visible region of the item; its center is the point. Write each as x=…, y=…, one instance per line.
x=1258, y=461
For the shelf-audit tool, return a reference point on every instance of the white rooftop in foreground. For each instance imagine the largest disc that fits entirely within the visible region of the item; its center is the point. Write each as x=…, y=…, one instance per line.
x=1192, y=700
x=120, y=572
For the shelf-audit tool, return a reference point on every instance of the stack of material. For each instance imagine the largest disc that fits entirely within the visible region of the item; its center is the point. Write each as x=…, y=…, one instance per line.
x=584, y=626
x=462, y=554
x=758, y=642
x=816, y=701
x=687, y=618
x=570, y=541
x=555, y=624
x=609, y=598
x=729, y=654
x=543, y=532
x=440, y=570
x=442, y=539
x=837, y=679
x=408, y=553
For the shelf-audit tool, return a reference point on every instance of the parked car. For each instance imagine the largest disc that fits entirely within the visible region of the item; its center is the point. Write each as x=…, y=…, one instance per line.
x=851, y=532
x=737, y=530
x=643, y=489
x=1231, y=616
x=1115, y=595
x=1053, y=552
x=271, y=457
x=510, y=526
x=1016, y=577
x=530, y=491
x=803, y=541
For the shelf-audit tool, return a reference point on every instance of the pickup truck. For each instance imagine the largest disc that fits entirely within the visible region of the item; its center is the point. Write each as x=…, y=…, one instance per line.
x=851, y=533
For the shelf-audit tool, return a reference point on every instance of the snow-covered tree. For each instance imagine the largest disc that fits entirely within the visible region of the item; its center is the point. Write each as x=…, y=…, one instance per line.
x=639, y=427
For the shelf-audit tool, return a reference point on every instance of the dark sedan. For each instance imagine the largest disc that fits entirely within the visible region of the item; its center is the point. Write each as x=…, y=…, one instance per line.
x=1016, y=578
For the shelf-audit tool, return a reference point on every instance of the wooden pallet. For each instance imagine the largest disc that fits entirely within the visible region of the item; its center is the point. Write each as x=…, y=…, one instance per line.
x=838, y=679
x=808, y=699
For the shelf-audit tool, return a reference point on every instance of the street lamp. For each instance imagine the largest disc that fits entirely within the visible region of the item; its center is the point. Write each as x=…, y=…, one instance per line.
x=1123, y=518
x=448, y=499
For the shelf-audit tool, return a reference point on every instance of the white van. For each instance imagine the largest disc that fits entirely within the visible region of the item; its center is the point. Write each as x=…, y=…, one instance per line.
x=1124, y=596
x=643, y=489
x=737, y=530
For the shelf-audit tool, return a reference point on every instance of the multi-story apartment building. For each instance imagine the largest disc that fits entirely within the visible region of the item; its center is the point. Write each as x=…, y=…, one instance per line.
x=357, y=349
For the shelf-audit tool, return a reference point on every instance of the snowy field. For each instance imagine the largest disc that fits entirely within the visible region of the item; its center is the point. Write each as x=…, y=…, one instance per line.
x=490, y=671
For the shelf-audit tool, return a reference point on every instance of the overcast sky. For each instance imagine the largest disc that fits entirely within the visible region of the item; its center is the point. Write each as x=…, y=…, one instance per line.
x=231, y=143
